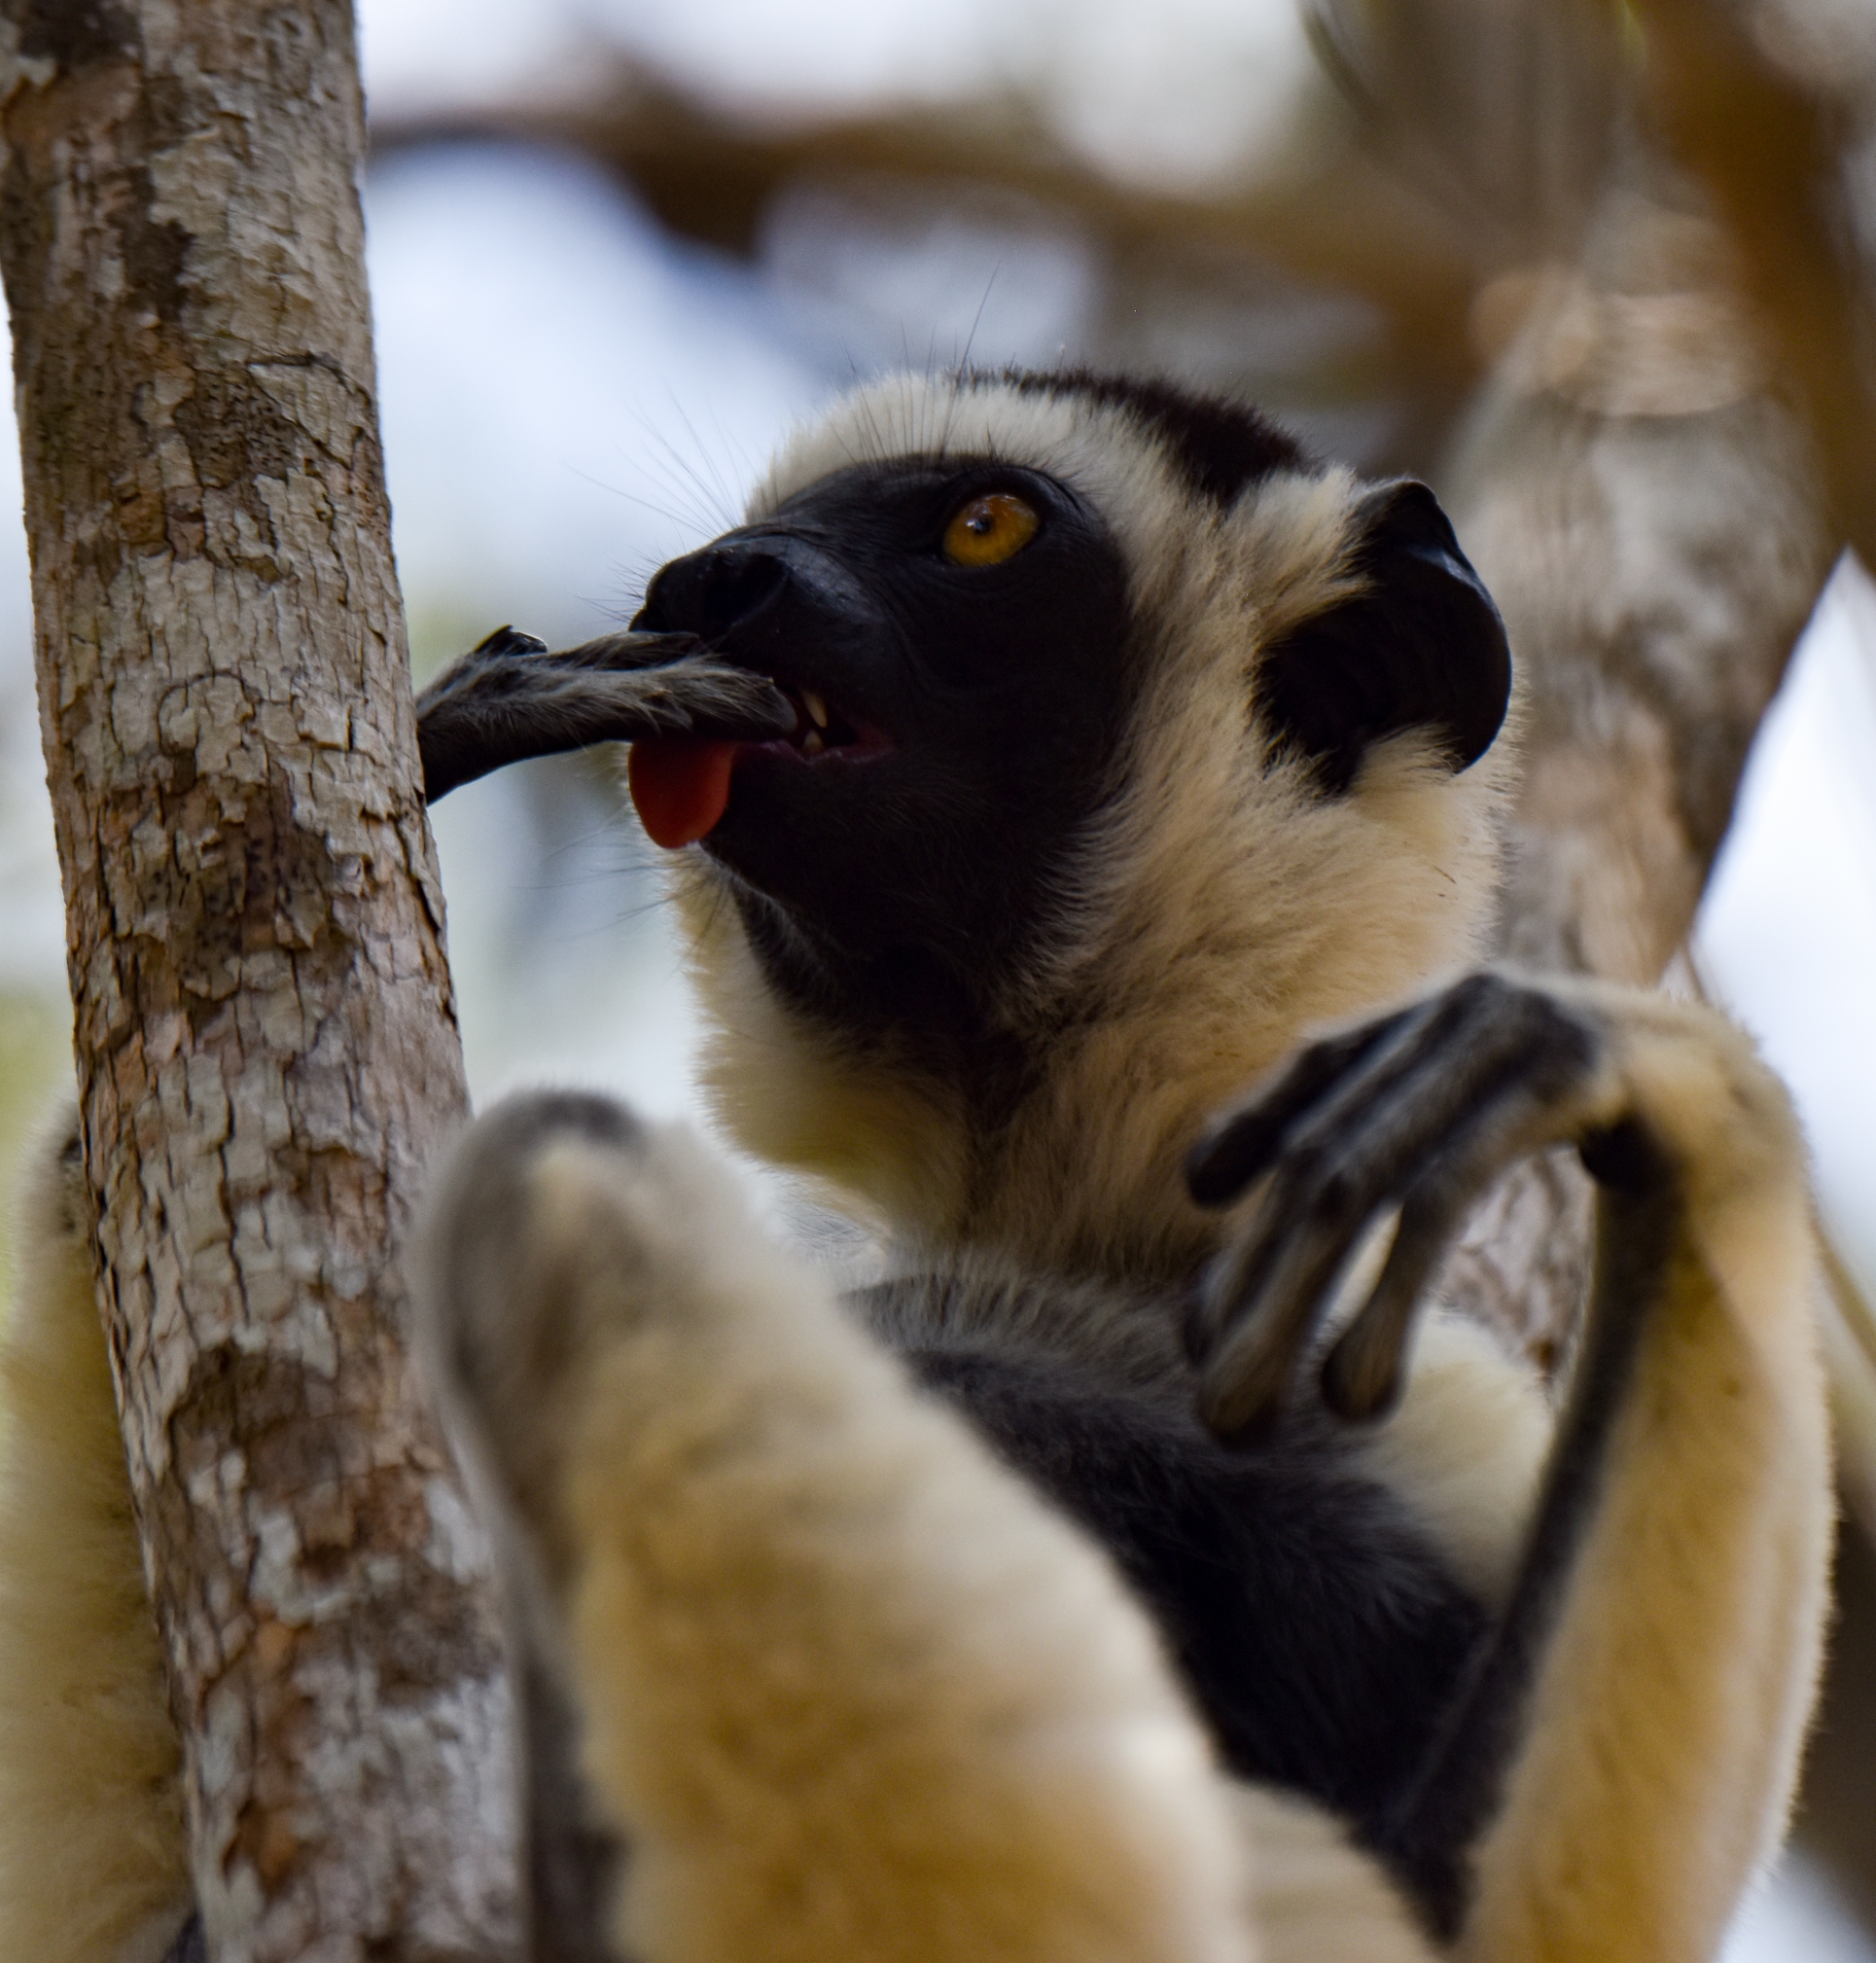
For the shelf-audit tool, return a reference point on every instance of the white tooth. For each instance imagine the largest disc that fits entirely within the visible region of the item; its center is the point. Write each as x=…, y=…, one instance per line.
x=817, y=708
x=811, y=744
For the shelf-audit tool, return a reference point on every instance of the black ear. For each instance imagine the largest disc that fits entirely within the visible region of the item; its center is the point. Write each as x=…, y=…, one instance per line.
x=1421, y=649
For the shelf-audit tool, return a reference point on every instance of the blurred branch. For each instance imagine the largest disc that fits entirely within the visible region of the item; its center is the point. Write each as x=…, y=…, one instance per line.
x=1654, y=486
x=1643, y=504
x=1506, y=115
x=1770, y=146
x=1643, y=500
x=712, y=177
x=1333, y=217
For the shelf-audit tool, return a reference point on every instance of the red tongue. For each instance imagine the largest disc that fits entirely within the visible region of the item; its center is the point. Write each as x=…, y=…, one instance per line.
x=680, y=785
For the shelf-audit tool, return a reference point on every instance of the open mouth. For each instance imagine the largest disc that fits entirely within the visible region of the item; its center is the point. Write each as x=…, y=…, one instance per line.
x=680, y=785
x=824, y=729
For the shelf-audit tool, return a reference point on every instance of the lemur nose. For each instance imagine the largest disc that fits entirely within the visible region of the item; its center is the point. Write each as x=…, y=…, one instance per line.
x=711, y=593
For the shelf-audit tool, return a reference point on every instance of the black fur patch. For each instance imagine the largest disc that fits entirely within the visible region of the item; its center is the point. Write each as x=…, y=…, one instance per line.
x=904, y=890
x=1220, y=448
x=1319, y=1636
x=1421, y=649
x=573, y=1863
x=190, y=1944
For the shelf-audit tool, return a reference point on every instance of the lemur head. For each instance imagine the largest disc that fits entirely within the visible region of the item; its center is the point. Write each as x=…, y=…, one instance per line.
x=1130, y=741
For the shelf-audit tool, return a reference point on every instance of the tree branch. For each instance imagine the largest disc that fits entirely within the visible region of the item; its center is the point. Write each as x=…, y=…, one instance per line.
x=265, y=1040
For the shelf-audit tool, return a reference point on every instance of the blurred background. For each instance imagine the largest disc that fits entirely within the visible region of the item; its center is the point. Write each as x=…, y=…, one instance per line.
x=617, y=247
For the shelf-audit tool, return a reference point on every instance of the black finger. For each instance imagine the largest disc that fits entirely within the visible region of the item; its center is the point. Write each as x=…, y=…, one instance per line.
x=1332, y=1080
x=1241, y=1146
x=1267, y=1296
x=1443, y=1080
x=509, y=701
x=1265, y=1301
x=1437, y=1074
x=1341, y=1158
x=1363, y=1375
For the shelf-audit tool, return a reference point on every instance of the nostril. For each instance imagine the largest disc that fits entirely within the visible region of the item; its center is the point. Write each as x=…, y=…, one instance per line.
x=711, y=592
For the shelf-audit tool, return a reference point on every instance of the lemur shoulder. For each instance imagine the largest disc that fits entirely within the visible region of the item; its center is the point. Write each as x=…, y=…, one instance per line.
x=1083, y=816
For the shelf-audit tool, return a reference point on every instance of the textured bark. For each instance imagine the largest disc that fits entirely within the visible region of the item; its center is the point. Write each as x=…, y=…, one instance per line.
x=1647, y=510
x=266, y=1049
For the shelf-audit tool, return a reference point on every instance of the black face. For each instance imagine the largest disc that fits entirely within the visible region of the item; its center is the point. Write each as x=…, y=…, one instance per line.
x=951, y=641
x=960, y=678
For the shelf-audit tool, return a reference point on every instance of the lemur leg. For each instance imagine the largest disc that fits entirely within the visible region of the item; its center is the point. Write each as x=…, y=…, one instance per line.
x=1622, y=1762
x=93, y=1864
x=850, y=1690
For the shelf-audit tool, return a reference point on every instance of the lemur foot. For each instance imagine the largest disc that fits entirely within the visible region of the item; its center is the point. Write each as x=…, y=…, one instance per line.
x=1421, y=1110
x=529, y=1261
x=549, y=1244
x=844, y=1686
x=509, y=699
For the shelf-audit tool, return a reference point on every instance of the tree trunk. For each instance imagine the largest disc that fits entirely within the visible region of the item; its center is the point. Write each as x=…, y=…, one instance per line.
x=1646, y=508
x=266, y=1052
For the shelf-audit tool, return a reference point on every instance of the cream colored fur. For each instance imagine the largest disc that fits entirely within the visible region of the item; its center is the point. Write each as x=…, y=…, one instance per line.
x=1316, y=1899
x=1669, y=1712
x=1219, y=910
x=92, y=1863
x=1465, y=1451
x=853, y=1691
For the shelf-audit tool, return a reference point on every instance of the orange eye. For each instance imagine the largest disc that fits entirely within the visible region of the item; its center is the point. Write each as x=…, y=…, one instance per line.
x=989, y=530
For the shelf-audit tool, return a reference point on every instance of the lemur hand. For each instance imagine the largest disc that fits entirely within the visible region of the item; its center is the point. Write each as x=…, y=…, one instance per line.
x=509, y=699
x=1421, y=1110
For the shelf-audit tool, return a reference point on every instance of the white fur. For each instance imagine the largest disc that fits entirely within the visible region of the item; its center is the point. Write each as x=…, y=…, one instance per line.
x=1316, y=1899
x=92, y=1863
x=1670, y=1711
x=1465, y=1451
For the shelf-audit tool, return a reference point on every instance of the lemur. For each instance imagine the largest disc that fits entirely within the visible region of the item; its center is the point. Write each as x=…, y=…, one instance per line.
x=1083, y=813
